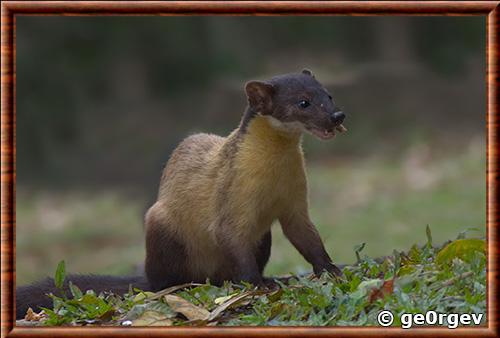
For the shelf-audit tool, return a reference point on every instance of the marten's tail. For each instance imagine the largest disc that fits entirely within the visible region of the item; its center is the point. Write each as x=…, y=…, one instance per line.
x=35, y=295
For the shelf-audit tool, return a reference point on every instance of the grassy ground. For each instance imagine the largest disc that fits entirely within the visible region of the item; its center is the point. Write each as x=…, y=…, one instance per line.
x=384, y=202
x=446, y=280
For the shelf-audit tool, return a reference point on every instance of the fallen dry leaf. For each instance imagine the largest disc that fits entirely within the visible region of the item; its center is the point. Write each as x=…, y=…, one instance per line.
x=32, y=316
x=387, y=288
x=189, y=310
x=230, y=303
x=171, y=289
x=223, y=299
x=152, y=318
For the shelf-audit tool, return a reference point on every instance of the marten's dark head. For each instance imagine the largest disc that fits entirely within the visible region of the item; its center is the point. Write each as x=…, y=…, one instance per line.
x=296, y=103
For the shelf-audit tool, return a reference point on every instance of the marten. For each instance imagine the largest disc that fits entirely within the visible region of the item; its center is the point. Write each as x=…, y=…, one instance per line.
x=218, y=197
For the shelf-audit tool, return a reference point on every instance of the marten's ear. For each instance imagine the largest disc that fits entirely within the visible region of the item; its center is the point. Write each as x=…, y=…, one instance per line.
x=260, y=95
x=307, y=72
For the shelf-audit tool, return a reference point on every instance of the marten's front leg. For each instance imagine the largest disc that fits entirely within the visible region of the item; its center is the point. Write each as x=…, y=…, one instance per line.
x=304, y=236
x=241, y=256
x=263, y=251
x=246, y=267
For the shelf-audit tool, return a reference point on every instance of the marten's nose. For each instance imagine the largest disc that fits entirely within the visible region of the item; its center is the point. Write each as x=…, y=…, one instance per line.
x=338, y=117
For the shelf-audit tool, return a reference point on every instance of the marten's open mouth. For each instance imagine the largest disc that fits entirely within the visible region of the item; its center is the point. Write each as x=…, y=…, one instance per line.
x=326, y=134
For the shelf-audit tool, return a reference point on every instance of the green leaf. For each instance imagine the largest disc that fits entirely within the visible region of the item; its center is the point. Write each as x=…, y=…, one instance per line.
x=405, y=270
x=464, y=233
x=60, y=275
x=90, y=298
x=364, y=287
x=397, y=261
x=429, y=236
x=75, y=291
x=142, y=295
x=357, y=249
x=463, y=249
x=415, y=254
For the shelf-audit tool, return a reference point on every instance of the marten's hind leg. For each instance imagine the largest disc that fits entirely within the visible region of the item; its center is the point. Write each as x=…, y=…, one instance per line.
x=263, y=251
x=166, y=260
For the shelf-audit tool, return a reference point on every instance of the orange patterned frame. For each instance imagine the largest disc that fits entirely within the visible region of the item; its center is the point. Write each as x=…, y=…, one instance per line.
x=10, y=9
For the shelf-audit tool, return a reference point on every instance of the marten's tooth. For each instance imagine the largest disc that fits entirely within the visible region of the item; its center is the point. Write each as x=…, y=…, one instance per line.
x=341, y=128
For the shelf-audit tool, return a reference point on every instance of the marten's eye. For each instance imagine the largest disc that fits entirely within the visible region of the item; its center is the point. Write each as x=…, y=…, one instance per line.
x=304, y=104
x=330, y=97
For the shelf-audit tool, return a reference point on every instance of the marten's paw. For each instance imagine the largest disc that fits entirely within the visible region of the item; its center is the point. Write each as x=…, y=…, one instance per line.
x=254, y=279
x=269, y=283
x=330, y=268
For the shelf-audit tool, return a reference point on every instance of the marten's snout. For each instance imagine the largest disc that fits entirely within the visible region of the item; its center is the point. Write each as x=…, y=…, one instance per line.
x=338, y=117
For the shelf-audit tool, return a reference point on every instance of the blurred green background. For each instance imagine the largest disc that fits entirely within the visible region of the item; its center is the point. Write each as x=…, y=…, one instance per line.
x=102, y=102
